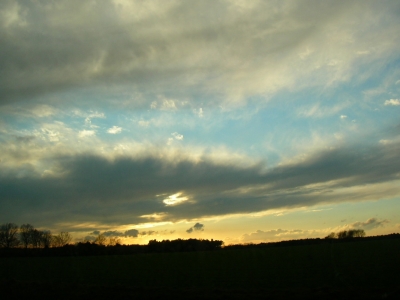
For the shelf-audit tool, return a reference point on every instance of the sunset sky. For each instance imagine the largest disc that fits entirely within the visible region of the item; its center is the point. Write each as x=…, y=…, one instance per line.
x=244, y=121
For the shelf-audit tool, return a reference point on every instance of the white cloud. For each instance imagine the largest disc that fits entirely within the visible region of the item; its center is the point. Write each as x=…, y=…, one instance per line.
x=393, y=102
x=168, y=104
x=199, y=112
x=53, y=136
x=177, y=136
x=363, y=52
x=13, y=15
x=114, y=130
x=44, y=111
x=86, y=133
x=90, y=116
x=385, y=142
x=144, y=123
x=319, y=110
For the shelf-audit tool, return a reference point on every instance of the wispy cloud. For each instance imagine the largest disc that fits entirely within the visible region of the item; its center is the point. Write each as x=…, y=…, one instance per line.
x=177, y=136
x=114, y=130
x=370, y=223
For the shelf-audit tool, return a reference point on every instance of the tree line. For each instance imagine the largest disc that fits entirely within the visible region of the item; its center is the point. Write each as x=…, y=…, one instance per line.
x=26, y=240
x=27, y=236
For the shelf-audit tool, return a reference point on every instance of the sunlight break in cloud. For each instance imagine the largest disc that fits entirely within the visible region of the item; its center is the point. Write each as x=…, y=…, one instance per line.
x=393, y=102
x=175, y=199
x=114, y=130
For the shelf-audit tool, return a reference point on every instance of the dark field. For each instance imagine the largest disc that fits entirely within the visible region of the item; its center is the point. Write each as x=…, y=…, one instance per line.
x=367, y=269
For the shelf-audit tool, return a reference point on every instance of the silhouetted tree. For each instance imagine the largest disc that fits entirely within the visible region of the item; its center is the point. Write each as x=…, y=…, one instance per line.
x=36, y=238
x=9, y=235
x=101, y=240
x=41, y=238
x=26, y=234
x=112, y=241
x=332, y=235
x=62, y=239
x=356, y=233
x=351, y=233
x=46, y=238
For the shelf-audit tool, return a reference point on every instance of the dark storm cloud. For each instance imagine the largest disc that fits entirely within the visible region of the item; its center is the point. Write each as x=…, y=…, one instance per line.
x=48, y=47
x=123, y=190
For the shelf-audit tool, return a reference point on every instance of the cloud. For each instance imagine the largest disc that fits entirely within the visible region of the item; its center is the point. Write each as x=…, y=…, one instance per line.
x=89, y=116
x=122, y=190
x=199, y=112
x=149, y=232
x=132, y=233
x=114, y=130
x=86, y=133
x=319, y=110
x=370, y=223
x=393, y=102
x=196, y=227
x=144, y=123
x=236, y=52
x=89, y=238
x=263, y=235
x=385, y=142
x=175, y=199
x=177, y=136
x=113, y=233
x=279, y=235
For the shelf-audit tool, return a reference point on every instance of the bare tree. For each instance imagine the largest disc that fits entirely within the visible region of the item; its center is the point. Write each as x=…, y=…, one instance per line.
x=36, y=238
x=112, y=241
x=9, y=235
x=46, y=238
x=100, y=240
x=62, y=239
x=26, y=234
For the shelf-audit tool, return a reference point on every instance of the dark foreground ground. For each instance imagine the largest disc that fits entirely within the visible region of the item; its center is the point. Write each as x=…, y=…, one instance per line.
x=352, y=270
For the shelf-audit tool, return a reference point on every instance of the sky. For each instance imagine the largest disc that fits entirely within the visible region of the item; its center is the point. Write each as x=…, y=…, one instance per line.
x=243, y=121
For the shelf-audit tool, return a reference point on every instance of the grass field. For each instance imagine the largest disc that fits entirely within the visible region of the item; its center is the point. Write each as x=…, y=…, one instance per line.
x=352, y=266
